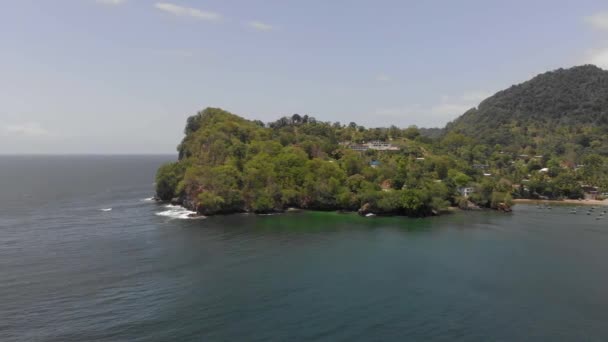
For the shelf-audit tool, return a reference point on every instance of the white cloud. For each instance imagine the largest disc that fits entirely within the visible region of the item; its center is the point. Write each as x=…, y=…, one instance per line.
x=598, y=20
x=260, y=26
x=111, y=2
x=26, y=129
x=599, y=58
x=382, y=78
x=187, y=11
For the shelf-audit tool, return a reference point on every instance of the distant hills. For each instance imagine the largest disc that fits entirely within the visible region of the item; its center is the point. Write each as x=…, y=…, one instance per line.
x=557, y=111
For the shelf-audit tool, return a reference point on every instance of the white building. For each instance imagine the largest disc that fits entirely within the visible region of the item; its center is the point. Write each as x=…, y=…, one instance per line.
x=358, y=147
x=382, y=146
x=374, y=145
x=466, y=191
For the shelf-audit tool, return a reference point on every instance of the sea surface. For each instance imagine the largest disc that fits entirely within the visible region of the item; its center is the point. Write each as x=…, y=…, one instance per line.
x=85, y=255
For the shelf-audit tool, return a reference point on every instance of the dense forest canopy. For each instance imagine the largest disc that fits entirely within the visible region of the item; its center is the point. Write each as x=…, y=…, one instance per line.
x=563, y=111
x=545, y=138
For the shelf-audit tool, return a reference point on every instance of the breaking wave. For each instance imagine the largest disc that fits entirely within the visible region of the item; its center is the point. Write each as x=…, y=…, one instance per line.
x=178, y=212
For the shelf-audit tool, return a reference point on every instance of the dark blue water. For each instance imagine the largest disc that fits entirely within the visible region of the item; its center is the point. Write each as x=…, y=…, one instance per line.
x=72, y=272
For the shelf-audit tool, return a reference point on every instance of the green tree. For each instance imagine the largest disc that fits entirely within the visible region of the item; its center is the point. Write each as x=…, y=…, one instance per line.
x=167, y=178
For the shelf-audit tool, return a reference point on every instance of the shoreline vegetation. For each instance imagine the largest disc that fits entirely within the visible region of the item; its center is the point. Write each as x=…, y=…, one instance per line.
x=561, y=201
x=291, y=210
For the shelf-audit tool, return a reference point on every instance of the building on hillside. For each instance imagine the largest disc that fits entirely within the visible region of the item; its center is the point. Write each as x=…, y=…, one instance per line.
x=382, y=146
x=520, y=187
x=372, y=145
x=591, y=192
x=378, y=145
x=386, y=185
x=374, y=164
x=358, y=147
x=466, y=191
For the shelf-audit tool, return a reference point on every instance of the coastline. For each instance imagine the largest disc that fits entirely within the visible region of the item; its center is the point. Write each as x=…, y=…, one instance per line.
x=565, y=201
x=179, y=210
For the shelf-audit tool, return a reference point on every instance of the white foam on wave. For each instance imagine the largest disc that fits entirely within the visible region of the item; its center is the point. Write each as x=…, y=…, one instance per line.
x=178, y=212
x=149, y=199
x=106, y=209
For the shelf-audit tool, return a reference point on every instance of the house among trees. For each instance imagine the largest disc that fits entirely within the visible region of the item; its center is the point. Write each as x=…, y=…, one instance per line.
x=382, y=146
x=372, y=145
x=466, y=191
x=358, y=147
x=591, y=192
x=386, y=185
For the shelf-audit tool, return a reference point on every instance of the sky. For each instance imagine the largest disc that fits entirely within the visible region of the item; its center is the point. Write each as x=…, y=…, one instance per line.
x=122, y=76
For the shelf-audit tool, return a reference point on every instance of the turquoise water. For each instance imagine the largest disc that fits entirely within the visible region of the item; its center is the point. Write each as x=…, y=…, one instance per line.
x=72, y=272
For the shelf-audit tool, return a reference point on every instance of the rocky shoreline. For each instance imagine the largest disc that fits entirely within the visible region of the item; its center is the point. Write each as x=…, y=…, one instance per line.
x=564, y=201
x=364, y=211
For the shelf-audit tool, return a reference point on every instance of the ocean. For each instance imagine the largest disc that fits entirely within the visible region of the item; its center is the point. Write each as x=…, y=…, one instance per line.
x=86, y=255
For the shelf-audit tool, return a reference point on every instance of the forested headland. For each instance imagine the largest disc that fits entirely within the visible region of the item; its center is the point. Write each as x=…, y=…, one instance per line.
x=546, y=138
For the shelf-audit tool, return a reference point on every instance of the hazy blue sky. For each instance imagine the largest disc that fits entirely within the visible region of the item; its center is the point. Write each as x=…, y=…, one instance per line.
x=121, y=76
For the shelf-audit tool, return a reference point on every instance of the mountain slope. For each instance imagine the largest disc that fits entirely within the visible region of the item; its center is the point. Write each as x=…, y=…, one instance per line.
x=546, y=113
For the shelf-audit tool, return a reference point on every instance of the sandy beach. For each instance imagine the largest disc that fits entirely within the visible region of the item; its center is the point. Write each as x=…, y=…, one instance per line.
x=565, y=201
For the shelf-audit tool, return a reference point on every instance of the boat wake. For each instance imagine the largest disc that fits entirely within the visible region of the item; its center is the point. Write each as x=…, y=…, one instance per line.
x=178, y=212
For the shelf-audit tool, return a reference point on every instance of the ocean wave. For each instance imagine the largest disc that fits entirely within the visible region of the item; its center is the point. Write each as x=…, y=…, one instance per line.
x=178, y=212
x=106, y=209
x=149, y=199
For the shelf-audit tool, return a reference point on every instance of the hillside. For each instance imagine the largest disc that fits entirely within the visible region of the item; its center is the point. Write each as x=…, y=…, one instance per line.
x=562, y=111
x=229, y=164
x=546, y=138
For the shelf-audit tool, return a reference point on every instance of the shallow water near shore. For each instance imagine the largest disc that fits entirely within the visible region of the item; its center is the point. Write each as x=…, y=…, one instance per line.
x=73, y=271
